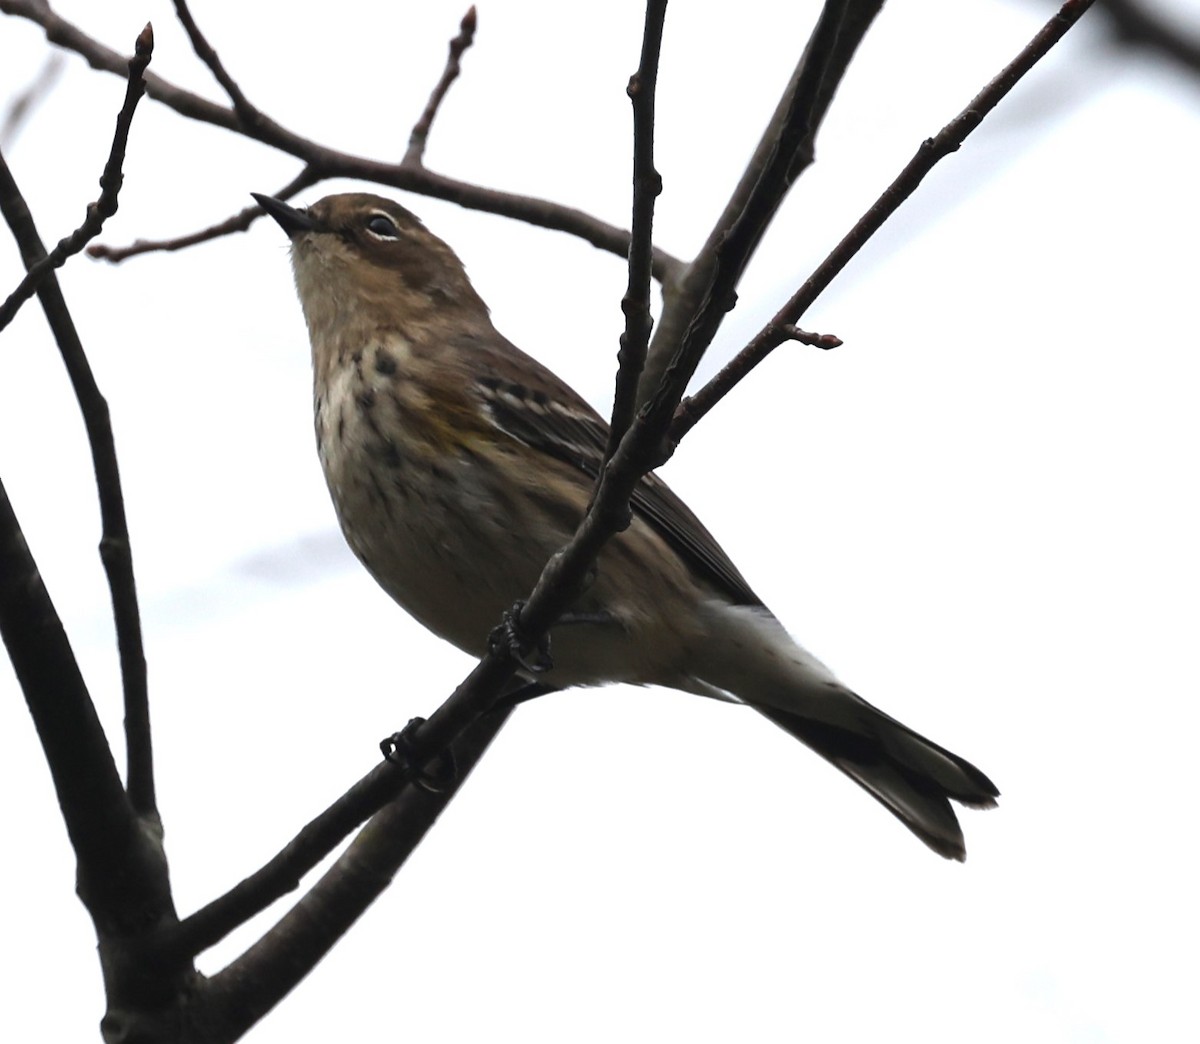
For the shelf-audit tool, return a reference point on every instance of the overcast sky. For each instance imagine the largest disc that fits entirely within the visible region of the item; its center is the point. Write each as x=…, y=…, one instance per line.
x=981, y=512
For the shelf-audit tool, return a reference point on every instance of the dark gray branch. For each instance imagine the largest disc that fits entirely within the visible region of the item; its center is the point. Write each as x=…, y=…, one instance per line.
x=115, y=551
x=122, y=876
x=323, y=163
x=415, y=155
x=931, y=152
x=110, y=187
x=647, y=186
x=693, y=306
x=249, y=987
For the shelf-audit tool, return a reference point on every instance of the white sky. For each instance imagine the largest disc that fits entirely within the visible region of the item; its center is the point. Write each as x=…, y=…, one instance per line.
x=981, y=512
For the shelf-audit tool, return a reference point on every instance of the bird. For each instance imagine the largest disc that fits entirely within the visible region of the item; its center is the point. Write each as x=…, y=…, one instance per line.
x=458, y=464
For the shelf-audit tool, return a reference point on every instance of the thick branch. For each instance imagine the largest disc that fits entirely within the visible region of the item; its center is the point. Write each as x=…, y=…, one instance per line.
x=931, y=152
x=115, y=552
x=255, y=982
x=284, y=871
x=98, y=817
x=122, y=877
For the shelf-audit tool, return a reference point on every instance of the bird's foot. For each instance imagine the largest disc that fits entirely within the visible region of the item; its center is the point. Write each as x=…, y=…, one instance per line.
x=401, y=749
x=508, y=636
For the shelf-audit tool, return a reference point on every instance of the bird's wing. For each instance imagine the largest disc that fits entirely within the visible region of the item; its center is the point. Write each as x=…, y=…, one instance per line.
x=555, y=420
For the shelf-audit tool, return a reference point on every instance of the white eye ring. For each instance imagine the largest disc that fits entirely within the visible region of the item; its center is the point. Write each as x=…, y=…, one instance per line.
x=381, y=226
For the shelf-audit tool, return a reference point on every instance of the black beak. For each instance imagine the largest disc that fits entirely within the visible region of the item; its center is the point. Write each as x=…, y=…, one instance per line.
x=291, y=220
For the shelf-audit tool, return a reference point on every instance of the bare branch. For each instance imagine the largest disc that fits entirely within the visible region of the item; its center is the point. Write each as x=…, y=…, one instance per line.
x=240, y=221
x=104, y=59
x=329, y=163
x=121, y=874
x=250, y=986
x=647, y=186
x=692, y=304
x=110, y=186
x=813, y=340
x=248, y=116
x=313, y=843
x=1141, y=25
x=420, y=132
x=115, y=551
x=931, y=152
x=25, y=102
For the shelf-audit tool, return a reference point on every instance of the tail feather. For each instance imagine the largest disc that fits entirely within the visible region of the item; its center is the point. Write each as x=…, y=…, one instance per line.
x=912, y=777
x=752, y=658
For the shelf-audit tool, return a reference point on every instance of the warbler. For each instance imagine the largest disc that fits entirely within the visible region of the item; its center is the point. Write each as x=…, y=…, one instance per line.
x=458, y=465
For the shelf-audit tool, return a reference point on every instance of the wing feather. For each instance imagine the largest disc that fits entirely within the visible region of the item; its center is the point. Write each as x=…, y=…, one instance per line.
x=555, y=420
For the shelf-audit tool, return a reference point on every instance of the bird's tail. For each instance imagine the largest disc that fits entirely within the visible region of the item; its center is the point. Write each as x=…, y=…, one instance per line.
x=753, y=659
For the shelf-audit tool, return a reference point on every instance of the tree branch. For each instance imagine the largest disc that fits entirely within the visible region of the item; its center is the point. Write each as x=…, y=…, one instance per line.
x=415, y=156
x=324, y=163
x=255, y=982
x=930, y=153
x=387, y=782
x=94, y=805
x=647, y=186
x=115, y=551
x=1140, y=25
x=23, y=104
x=692, y=304
x=121, y=873
x=249, y=118
x=110, y=187
x=238, y=223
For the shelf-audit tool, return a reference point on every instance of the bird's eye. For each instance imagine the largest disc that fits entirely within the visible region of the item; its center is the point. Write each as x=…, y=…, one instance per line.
x=382, y=227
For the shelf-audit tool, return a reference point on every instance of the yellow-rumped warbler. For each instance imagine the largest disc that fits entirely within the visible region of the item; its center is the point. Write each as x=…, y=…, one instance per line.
x=458, y=465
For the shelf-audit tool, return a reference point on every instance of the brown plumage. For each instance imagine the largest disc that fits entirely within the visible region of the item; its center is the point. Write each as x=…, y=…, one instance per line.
x=458, y=465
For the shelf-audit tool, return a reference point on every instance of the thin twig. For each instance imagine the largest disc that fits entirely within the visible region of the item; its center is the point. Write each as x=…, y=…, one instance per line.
x=24, y=103
x=930, y=153
x=789, y=152
x=248, y=116
x=647, y=186
x=110, y=186
x=239, y=222
x=786, y=146
x=813, y=340
x=329, y=163
x=415, y=155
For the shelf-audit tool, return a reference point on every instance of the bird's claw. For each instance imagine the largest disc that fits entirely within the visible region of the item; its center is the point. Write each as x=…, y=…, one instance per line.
x=507, y=635
x=401, y=749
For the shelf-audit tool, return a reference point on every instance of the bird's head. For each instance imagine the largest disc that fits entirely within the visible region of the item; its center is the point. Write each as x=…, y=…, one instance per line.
x=362, y=257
